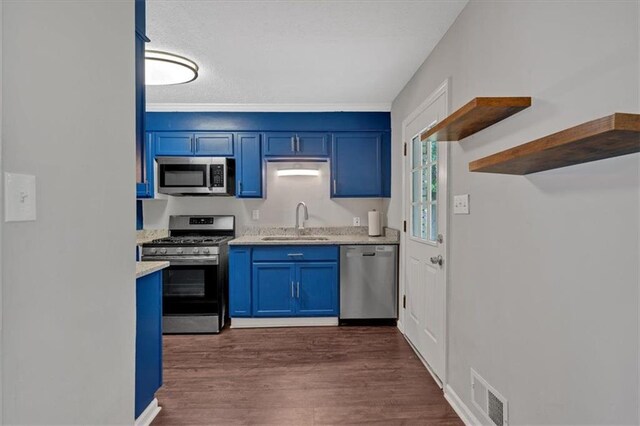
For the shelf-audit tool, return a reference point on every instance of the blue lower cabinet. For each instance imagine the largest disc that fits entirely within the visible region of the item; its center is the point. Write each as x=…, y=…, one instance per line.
x=273, y=289
x=239, y=281
x=148, y=339
x=317, y=289
x=283, y=281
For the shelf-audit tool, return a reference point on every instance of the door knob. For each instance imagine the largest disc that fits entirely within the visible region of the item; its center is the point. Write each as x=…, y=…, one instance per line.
x=437, y=260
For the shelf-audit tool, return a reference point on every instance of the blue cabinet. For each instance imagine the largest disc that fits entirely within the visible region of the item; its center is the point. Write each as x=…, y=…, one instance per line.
x=148, y=373
x=142, y=171
x=356, y=165
x=214, y=144
x=174, y=144
x=239, y=281
x=283, y=281
x=146, y=189
x=300, y=144
x=248, y=166
x=188, y=144
x=317, y=288
x=273, y=289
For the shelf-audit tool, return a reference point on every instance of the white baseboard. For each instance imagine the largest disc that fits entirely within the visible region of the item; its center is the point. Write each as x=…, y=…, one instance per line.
x=460, y=408
x=283, y=322
x=148, y=414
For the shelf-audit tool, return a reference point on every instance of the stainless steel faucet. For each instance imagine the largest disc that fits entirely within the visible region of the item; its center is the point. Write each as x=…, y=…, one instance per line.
x=300, y=227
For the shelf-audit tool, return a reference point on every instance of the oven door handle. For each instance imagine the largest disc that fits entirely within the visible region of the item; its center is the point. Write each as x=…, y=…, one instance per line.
x=211, y=260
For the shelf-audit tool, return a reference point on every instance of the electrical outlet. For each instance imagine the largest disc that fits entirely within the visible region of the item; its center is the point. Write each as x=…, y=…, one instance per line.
x=356, y=221
x=461, y=204
x=255, y=214
x=19, y=197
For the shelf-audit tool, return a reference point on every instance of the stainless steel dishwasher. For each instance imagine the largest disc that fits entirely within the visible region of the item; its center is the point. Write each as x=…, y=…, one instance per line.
x=369, y=282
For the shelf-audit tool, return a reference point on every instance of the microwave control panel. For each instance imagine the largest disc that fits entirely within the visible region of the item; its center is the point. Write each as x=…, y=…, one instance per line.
x=217, y=176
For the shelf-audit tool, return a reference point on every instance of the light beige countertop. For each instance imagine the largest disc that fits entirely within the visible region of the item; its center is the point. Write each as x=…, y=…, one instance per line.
x=148, y=235
x=146, y=268
x=346, y=235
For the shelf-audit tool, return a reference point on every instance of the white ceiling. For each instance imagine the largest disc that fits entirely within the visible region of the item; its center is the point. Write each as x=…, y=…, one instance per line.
x=314, y=55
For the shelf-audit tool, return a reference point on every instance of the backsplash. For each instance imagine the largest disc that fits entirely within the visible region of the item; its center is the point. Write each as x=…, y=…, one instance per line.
x=278, y=208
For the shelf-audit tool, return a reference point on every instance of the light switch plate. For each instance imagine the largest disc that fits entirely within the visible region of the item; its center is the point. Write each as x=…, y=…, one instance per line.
x=19, y=197
x=461, y=204
x=255, y=214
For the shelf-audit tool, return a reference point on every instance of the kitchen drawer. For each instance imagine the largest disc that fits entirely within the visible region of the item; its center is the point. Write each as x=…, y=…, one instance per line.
x=294, y=253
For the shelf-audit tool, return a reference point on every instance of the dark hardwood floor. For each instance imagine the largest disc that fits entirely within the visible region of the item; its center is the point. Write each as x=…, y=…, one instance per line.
x=298, y=376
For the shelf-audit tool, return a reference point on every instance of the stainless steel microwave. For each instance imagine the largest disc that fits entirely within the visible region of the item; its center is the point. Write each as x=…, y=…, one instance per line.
x=196, y=175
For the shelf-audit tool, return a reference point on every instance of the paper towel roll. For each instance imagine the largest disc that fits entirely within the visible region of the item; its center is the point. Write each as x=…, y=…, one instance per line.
x=374, y=224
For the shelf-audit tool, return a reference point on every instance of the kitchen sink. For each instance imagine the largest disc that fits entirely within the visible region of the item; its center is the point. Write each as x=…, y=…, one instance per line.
x=301, y=238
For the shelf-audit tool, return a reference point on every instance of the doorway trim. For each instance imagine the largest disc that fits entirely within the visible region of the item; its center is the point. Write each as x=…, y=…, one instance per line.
x=442, y=89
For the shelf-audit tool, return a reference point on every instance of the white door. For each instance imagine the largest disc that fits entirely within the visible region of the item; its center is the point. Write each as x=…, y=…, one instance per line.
x=425, y=207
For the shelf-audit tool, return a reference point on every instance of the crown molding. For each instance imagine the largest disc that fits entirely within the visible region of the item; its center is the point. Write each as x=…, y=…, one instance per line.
x=206, y=107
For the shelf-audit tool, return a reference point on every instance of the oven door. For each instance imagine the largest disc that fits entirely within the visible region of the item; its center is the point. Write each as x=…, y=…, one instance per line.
x=184, y=175
x=191, y=288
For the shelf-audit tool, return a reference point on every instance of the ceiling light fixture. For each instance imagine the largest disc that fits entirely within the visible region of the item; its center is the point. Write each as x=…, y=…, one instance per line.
x=298, y=172
x=164, y=68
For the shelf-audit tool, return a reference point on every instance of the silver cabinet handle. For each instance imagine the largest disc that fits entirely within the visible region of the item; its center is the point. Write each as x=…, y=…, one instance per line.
x=293, y=143
x=240, y=186
x=298, y=290
x=334, y=186
x=292, y=296
x=295, y=254
x=193, y=144
x=437, y=260
x=297, y=143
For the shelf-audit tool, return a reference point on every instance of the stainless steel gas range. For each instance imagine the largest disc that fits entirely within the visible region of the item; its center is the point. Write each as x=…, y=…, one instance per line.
x=195, y=285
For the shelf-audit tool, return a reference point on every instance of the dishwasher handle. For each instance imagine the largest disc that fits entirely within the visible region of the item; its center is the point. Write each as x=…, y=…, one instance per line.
x=369, y=254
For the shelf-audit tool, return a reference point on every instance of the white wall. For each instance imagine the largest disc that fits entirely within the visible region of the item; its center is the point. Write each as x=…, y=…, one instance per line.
x=69, y=282
x=543, y=295
x=277, y=209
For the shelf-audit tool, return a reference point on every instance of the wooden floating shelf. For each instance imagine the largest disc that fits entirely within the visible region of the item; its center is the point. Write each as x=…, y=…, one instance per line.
x=610, y=136
x=476, y=115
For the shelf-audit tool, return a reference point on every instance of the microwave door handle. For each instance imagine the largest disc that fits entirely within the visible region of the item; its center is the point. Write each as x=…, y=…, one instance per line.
x=209, y=176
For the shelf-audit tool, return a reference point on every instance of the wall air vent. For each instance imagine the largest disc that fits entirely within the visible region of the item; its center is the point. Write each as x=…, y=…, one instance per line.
x=492, y=405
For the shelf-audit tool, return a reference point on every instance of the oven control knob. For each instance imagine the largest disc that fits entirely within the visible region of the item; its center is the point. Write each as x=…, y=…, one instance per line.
x=179, y=250
x=154, y=251
x=196, y=250
x=163, y=251
x=205, y=251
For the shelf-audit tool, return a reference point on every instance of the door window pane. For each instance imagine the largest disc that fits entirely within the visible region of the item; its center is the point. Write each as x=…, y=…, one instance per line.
x=424, y=189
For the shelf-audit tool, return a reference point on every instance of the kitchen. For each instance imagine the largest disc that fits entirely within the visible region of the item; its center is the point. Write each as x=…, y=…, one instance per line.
x=417, y=212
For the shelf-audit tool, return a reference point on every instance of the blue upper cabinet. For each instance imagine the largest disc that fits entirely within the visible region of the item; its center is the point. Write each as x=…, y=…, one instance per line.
x=189, y=144
x=142, y=172
x=358, y=145
x=273, y=289
x=174, y=143
x=357, y=165
x=292, y=144
x=248, y=165
x=214, y=144
x=146, y=188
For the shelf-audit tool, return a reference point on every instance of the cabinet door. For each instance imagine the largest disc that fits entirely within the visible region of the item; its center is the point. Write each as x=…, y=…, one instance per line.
x=273, y=289
x=148, y=339
x=248, y=165
x=356, y=165
x=312, y=144
x=239, y=281
x=174, y=143
x=140, y=100
x=280, y=144
x=146, y=188
x=317, y=289
x=212, y=144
